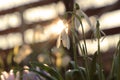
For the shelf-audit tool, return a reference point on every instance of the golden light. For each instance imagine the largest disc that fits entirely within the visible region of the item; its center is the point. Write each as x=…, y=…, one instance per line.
x=58, y=27
x=26, y=50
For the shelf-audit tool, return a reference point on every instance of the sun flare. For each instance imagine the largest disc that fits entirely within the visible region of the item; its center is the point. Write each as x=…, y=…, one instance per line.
x=58, y=27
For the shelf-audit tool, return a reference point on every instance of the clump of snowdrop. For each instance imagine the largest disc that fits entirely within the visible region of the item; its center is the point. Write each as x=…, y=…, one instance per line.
x=26, y=75
x=10, y=75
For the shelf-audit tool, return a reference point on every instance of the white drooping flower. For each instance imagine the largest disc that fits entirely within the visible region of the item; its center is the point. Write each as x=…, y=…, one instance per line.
x=64, y=38
x=83, y=19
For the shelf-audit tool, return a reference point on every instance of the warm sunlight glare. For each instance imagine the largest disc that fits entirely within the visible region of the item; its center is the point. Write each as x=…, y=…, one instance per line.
x=41, y=35
x=58, y=27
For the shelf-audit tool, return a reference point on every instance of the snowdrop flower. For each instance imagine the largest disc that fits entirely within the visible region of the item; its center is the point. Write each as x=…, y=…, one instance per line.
x=64, y=38
x=77, y=23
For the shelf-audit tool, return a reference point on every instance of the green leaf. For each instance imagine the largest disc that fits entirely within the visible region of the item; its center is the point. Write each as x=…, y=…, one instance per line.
x=83, y=73
x=73, y=75
x=48, y=69
x=43, y=74
x=93, y=66
x=80, y=69
x=115, y=71
x=99, y=72
x=72, y=64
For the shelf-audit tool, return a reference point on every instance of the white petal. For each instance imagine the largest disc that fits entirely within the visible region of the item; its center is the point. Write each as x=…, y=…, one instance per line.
x=65, y=40
x=87, y=19
x=68, y=42
x=77, y=23
x=5, y=74
x=11, y=75
x=58, y=41
x=2, y=77
x=17, y=76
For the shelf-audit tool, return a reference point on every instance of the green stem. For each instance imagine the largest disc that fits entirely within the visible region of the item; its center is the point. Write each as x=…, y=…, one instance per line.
x=74, y=51
x=101, y=77
x=85, y=53
x=73, y=40
x=100, y=62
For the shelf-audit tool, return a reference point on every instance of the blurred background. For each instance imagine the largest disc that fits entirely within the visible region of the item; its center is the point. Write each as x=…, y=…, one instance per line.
x=29, y=29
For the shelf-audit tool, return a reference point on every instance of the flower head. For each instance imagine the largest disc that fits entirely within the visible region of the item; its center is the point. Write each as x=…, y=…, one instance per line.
x=64, y=38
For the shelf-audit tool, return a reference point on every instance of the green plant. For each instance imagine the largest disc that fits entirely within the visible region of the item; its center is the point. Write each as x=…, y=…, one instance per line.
x=93, y=68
